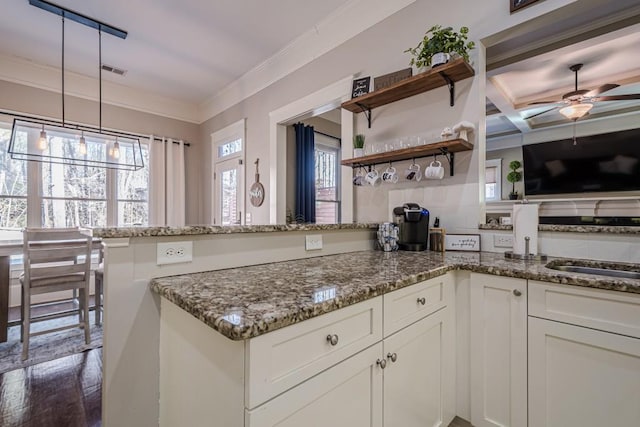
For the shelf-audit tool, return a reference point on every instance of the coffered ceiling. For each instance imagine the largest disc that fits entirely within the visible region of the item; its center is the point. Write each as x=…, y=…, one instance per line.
x=610, y=57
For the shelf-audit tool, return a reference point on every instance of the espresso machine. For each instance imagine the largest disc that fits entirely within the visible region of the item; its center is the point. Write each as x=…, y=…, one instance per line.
x=413, y=223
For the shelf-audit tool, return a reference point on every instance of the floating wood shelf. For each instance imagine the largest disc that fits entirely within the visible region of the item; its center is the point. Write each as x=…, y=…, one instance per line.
x=446, y=148
x=443, y=75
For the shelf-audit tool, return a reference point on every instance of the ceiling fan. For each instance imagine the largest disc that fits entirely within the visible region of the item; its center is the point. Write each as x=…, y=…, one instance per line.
x=577, y=103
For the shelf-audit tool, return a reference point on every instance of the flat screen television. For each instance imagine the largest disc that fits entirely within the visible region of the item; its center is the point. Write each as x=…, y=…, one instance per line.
x=596, y=163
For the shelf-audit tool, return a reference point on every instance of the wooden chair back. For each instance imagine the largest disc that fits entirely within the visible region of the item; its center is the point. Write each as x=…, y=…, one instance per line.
x=56, y=259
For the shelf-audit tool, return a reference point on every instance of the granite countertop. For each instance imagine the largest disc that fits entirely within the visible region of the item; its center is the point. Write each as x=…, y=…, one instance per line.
x=570, y=228
x=246, y=302
x=117, y=232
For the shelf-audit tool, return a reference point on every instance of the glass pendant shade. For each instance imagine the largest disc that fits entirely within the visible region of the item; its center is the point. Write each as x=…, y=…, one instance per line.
x=576, y=111
x=68, y=145
x=83, y=145
x=42, y=140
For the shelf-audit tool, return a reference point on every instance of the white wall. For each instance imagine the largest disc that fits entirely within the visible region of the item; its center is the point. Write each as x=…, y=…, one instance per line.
x=378, y=51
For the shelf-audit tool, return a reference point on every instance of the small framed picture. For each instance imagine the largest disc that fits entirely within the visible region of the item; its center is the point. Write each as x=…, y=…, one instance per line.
x=519, y=4
x=360, y=87
x=462, y=242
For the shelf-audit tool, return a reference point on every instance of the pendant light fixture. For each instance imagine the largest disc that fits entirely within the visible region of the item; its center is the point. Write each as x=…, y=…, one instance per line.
x=75, y=144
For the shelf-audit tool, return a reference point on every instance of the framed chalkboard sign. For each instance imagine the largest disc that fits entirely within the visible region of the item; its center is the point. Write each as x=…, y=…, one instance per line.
x=360, y=87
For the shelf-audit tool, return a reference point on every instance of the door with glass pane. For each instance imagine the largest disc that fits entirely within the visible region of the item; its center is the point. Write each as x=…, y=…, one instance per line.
x=228, y=175
x=229, y=197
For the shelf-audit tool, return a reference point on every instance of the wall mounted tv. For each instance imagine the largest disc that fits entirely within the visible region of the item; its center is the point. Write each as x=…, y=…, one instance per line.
x=596, y=163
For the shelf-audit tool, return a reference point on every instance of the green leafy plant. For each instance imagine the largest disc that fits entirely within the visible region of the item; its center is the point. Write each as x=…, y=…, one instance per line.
x=514, y=176
x=358, y=141
x=441, y=40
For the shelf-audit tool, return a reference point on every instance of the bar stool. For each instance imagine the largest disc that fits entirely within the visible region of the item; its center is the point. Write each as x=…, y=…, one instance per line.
x=55, y=260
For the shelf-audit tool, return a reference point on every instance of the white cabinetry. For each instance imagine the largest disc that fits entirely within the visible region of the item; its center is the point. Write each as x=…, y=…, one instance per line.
x=419, y=378
x=498, y=351
x=338, y=369
x=583, y=374
x=420, y=373
x=347, y=395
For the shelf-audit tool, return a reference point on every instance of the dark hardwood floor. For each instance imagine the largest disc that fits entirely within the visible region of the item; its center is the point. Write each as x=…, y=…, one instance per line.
x=65, y=392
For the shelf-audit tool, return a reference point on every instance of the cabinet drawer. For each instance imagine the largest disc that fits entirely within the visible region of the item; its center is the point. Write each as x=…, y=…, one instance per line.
x=610, y=311
x=408, y=305
x=279, y=360
x=346, y=395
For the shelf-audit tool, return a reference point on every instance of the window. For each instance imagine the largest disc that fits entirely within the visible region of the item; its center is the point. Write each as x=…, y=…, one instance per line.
x=63, y=195
x=13, y=184
x=493, y=180
x=327, y=160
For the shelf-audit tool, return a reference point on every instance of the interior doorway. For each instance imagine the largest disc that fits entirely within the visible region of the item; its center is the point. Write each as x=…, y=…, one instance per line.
x=311, y=106
x=327, y=129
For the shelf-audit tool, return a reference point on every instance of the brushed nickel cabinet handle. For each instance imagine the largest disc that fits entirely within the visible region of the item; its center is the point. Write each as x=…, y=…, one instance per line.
x=516, y=292
x=422, y=301
x=382, y=363
x=392, y=356
x=332, y=339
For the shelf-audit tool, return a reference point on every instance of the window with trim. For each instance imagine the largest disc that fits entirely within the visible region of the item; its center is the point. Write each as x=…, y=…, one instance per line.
x=493, y=180
x=327, y=162
x=60, y=195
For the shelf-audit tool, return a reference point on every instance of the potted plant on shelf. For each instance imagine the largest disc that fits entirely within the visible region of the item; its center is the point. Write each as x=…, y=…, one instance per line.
x=358, y=145
x=438, y=44
x=514, y=176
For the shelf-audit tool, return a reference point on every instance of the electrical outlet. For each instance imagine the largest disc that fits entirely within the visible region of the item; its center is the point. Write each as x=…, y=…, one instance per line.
x=503, y=240
x=313, y=242
x=174, y=252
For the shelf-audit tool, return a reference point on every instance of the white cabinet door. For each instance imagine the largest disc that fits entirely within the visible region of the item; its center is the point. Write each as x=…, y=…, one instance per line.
x=498, y=351
x=582, y=377
x=419, y=385
x=346, y=395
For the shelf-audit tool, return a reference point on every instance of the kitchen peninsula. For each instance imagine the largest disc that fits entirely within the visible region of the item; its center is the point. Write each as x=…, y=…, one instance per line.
x=234, y=305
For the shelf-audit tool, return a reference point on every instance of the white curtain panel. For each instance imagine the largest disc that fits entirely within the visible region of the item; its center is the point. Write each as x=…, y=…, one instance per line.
x=167, y=183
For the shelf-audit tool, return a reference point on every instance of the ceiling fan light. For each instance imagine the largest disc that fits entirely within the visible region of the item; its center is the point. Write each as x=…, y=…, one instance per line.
x=576, y=111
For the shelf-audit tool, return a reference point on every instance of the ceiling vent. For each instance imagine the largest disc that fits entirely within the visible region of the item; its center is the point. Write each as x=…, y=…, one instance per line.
x=115, y=70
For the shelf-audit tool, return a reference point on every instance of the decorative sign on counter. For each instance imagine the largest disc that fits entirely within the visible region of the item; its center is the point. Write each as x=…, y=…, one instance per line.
x=360, y=87
x=462, y=242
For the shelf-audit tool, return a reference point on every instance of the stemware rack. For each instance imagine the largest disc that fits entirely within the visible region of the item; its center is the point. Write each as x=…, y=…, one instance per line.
x=446, y=148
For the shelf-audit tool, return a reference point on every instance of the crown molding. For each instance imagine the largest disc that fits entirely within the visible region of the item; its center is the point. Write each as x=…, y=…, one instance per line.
x=21, y=71
x=344, y=23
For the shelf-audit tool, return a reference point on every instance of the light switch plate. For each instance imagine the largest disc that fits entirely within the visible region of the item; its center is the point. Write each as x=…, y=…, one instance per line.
x=503, y=240
x=174, y=252
x=313, y=242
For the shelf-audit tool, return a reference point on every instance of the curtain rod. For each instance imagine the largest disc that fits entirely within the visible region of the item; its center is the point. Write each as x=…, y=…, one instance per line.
x=328, y=136
x=87, y=127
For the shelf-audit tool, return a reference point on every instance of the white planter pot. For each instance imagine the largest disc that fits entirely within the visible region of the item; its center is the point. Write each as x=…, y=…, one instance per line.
x=439, y=59
x=358, y=152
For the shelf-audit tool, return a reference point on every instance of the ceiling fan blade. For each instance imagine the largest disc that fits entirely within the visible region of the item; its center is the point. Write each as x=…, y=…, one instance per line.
x=601, y=89
x=541, y=113
x=544, y=102
x=628, y=97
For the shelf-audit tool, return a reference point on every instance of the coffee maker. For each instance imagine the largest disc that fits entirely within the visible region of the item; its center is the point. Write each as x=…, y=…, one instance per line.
x=413, y=222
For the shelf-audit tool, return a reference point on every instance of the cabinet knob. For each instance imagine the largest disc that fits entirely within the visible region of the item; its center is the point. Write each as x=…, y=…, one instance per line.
x=516, y=292
x=332, y=339
x=422, y=301
x=392, y=356
x=382, y=363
